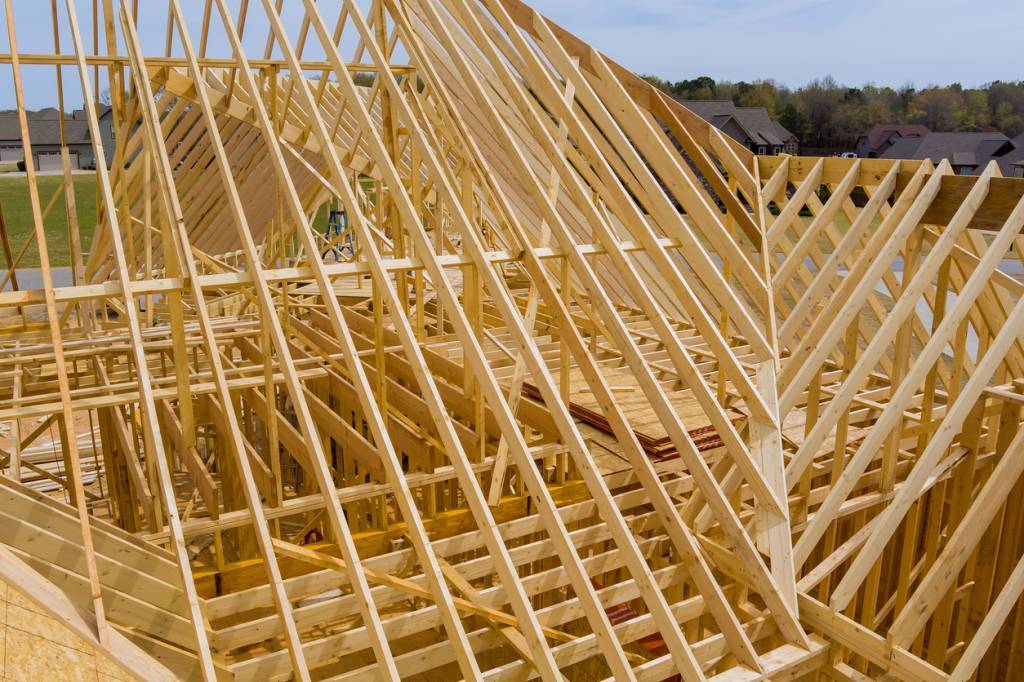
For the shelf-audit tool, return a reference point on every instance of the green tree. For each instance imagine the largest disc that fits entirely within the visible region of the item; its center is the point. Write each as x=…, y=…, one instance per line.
x=702, y=88
x=758, y=94
x=827, y=114
x=795, y=121
x=937, y=108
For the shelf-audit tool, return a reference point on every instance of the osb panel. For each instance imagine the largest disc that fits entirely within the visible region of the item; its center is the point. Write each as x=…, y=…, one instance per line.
x=34, y=646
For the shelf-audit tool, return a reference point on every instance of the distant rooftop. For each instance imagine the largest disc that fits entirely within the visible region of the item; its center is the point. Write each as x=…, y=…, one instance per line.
x=881, y=132
x=44, y=126
x=964, y=150
x=760, y=128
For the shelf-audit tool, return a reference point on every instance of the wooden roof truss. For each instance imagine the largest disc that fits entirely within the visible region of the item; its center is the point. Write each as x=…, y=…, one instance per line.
x=571, y=386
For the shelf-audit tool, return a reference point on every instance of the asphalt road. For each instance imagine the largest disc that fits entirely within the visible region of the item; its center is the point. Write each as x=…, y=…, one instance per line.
x=32, y=278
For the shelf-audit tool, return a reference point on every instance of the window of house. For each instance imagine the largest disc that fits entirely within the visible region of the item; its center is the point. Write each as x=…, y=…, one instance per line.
x=761, y=151
x=1018, y=172
x=791, y=147
x=776, y=150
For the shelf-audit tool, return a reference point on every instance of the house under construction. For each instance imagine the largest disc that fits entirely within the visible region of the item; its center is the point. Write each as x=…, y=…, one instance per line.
x=417, y=339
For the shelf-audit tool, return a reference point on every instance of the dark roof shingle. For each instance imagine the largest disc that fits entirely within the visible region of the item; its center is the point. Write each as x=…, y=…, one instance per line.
x=44, y=126
x=881, y=132
x=962, y=149
x=761, y=128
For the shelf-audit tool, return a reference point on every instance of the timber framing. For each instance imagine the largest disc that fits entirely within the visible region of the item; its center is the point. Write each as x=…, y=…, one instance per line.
x=418, y=339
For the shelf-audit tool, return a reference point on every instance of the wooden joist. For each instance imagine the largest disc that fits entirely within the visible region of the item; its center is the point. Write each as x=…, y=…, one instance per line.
x=468, y=353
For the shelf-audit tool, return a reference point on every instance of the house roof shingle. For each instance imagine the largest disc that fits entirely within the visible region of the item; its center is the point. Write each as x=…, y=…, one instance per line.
x=755, y=122
x=44, y=126
x=881, y=132
x=1013, y=158
x=962, y=149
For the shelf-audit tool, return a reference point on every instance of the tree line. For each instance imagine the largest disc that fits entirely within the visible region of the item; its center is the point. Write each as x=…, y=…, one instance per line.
x=828, y=115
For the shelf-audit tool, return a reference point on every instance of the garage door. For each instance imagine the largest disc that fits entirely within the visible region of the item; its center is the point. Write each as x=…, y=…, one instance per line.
x=50, y=161
x=11, y=154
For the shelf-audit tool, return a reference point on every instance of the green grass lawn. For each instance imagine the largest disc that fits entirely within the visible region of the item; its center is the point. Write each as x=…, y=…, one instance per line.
x=841, y=224
x=17, y=210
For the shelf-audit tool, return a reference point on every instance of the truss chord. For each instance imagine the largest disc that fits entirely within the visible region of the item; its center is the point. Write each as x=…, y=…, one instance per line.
x=426, y=341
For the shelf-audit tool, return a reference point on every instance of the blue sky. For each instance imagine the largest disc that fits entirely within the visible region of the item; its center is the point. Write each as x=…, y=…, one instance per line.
x=791, y=41
x=794, y=41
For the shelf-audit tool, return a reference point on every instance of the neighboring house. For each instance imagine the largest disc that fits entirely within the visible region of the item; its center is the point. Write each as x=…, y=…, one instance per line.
x=884, y=135
x=44, y=134
x=750, y=126
x=968, y=153
x=1012, y=163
